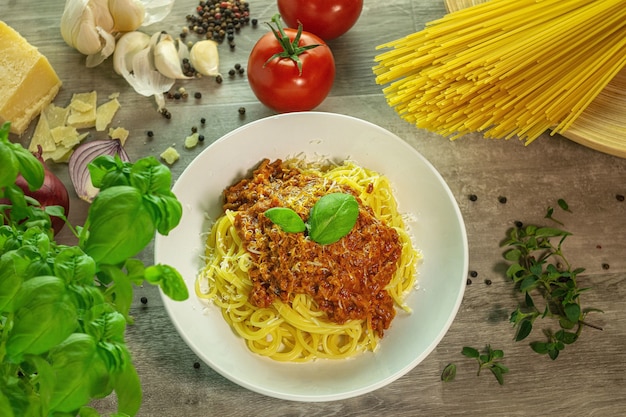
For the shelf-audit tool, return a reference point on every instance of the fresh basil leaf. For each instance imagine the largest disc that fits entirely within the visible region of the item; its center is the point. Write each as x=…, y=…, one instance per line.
x=107, y=171
x=80, y=373
x=44, y=317
x=118, y=227
x=8, y=160
x=74, y=266
x=12, y=272
x=332, y=217
x=127, y=387
x=166, y=211
x=169, y=280
x=30, y=167
x=122, y=296
x=150, y=176
x=288, y=220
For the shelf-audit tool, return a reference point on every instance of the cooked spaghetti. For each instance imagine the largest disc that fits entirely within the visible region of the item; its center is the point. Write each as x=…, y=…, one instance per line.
x=290, y=298
x=505, y=67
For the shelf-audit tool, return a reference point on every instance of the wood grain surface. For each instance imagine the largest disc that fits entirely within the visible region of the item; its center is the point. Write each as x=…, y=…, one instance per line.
x=588, y=378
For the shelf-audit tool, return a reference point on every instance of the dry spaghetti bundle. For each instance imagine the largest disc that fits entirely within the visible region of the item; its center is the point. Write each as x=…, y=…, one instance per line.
x=505, y=67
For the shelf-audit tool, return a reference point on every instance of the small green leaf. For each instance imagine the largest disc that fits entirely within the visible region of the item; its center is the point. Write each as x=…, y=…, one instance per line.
x=470, y=352
x=449, y=373
x=513, y=255
x=169, y=279
x=526, y=326
x=572, y=312
x=563, y=204
x=288, y=220
x=553, y=353
x=539, y=347
x=528, y=283
x=332, y=217
x=497, y=372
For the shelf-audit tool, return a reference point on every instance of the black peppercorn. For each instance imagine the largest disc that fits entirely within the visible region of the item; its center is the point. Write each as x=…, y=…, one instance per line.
x=473, y=197
x=502, y=200
x=198, y=94
x=144, y=300
x=242, y=110
x=150, y=133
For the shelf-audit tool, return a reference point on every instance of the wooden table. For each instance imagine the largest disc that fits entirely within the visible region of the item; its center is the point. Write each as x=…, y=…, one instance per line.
x=588, y=379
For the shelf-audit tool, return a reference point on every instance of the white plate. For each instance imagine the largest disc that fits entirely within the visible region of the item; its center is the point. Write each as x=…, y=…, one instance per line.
x=437, y=228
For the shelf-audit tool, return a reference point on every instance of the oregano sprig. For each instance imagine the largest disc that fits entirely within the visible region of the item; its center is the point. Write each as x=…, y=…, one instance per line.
x=490, y=359
x=548, y=282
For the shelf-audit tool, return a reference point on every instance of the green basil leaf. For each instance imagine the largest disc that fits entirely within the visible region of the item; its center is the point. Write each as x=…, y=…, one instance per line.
x=81, y=373
x=332, y=217
x=8, y=161
x=5, y=403
x=166, y=211
x=288, y=220
x=122, y=296
x=119, y=225
x=74, y=266
x=13, y=269
x=169, y=280
x=30, y=167
x=44, y=317
x=127, y=387
x=150, y=176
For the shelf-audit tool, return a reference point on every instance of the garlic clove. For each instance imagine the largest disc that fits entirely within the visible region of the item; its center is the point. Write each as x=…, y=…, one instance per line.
x=127, y=46
x=131, y=60
x=166, y=56
x=78, y=27
x=204, y=58
x=128, y=15
x=106, y=51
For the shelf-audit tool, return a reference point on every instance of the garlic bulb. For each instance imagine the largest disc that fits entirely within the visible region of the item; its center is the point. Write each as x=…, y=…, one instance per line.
x=92, y=26
x=204, y=58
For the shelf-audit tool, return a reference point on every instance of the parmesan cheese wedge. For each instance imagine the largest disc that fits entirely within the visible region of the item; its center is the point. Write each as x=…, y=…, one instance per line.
x=29, y=83
x=105, y=113
x=83, y=110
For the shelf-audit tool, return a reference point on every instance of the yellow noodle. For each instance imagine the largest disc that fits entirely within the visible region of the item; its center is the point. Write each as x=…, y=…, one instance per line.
x=298, y=331
x=505, y=68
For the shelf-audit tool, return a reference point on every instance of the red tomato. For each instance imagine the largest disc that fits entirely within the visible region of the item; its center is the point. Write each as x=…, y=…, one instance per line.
x=328, y=19
x=279, y=83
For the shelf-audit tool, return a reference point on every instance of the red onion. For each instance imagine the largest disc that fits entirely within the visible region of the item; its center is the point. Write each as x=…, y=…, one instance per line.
x=83, y=155
x=51, y=193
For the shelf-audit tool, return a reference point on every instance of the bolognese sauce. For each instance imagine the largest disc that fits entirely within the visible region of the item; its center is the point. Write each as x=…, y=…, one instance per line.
x=346, y=279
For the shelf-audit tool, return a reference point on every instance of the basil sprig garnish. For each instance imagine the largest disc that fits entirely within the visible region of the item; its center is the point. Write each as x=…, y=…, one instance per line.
x=332, y=217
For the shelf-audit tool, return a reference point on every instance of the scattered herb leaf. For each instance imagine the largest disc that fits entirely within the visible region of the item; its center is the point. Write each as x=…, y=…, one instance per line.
x=489, y=360
x=449, y=373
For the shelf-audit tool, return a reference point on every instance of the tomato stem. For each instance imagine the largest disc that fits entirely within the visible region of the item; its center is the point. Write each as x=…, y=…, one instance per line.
x=291, y=49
